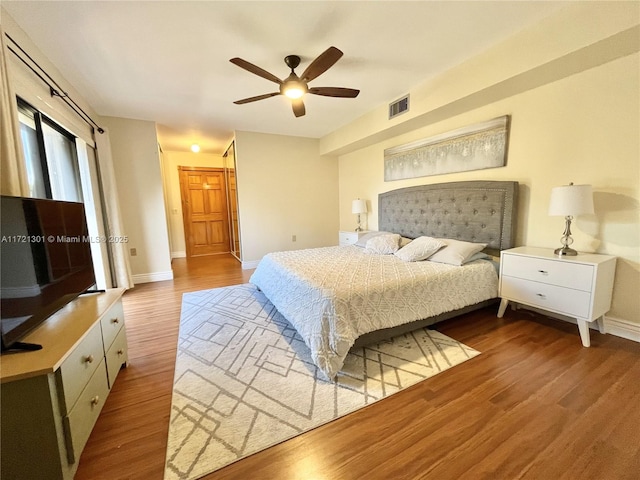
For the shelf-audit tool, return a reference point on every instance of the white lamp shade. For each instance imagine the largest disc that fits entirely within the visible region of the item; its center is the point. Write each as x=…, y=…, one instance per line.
x=571, y=200
x=359, y=206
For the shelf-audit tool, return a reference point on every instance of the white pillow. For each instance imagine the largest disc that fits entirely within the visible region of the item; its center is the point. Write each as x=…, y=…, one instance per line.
x=383, y=244
x=419, y=249
x=362, y=241
x=456, y=252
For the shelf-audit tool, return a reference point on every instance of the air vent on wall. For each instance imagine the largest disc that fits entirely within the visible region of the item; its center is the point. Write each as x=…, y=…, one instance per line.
x=399, y=106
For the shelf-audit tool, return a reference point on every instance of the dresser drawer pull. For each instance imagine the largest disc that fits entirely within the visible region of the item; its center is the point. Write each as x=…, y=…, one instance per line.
x=95, y=400
x=115, y=320
x=88, y=359
x=120, y=352
x=543, y=272
x=542, y=296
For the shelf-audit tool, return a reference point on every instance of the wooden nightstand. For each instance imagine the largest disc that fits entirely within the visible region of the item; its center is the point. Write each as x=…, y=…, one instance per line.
x=579, y=287
x=349, y=238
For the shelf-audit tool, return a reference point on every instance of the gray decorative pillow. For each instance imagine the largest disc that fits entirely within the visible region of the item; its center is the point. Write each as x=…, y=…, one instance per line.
x=419, y=249
x=362, y=241
x=383, y=244
x=456, y=252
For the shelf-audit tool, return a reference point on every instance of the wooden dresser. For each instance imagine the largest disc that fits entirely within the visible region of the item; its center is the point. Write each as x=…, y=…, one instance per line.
x=51, y=398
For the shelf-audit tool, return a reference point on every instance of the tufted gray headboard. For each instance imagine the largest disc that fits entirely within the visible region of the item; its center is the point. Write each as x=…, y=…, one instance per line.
x=474, y=211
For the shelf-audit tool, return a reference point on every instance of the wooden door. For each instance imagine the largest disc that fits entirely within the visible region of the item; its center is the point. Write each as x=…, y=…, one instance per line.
x=204, y=210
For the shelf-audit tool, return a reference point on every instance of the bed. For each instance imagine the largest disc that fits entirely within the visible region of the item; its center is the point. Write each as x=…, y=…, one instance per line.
x=338, y=297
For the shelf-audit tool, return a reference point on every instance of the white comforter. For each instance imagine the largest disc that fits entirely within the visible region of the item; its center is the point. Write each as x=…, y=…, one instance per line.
x=334, y=295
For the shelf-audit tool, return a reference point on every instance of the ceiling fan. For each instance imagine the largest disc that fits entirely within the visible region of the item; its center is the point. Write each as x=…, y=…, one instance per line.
x=295, y=86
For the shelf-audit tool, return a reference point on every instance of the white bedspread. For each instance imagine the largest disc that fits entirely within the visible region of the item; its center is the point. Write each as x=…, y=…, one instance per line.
x=333, y=295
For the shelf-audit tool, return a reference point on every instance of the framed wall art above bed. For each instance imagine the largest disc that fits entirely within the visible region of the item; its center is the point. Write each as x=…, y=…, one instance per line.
x=474, y=147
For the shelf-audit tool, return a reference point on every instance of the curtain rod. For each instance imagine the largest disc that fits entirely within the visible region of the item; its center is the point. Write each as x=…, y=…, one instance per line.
x=55, y=89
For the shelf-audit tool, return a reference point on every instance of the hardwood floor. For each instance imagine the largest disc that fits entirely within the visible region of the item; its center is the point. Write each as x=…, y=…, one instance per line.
x=535, y=404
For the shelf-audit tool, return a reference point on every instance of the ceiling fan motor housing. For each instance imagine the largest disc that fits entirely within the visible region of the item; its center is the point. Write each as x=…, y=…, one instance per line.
x=292, y=61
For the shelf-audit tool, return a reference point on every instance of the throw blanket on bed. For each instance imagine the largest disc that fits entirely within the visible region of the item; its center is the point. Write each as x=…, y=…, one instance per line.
x=333, y=295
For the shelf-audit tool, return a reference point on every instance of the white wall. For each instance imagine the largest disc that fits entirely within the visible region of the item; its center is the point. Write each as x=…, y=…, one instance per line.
x=285, y=188
x=134, y=147
x=575, y=118
x=173, y=160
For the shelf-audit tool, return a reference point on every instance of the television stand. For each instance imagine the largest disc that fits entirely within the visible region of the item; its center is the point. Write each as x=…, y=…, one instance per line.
x=23, y=346
x=51, y=398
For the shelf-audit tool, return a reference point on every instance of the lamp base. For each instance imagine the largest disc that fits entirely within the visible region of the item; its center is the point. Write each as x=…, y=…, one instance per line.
x=565, y=252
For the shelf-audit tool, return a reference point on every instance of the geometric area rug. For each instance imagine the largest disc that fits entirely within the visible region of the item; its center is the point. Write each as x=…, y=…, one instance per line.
x=244, y=379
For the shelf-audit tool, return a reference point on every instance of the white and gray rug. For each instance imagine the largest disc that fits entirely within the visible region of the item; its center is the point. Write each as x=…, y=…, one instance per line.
x=244, y=380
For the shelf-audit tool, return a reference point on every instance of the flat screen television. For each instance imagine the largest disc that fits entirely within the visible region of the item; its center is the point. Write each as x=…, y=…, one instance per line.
x=45, y=262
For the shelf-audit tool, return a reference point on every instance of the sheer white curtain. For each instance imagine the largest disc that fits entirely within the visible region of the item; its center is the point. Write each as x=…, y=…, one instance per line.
x=119, y=253
x=13, y=175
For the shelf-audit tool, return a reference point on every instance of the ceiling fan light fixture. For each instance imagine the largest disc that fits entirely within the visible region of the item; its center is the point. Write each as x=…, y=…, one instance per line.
x=294, y=91
x=293, y=87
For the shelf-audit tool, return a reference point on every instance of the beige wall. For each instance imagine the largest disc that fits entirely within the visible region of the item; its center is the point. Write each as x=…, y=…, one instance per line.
x=572, y=121
x=285, y=188
x=134, y=147
x=173, y=160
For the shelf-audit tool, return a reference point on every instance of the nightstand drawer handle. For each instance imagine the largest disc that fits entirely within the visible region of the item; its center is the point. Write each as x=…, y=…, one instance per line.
x=115, y=320
x=542, y=296
x=88, y=359
x=95, y=400
x=543, y=272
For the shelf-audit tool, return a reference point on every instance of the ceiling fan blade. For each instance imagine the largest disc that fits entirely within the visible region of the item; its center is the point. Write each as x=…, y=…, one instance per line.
x=321, y=64
x=298, y=108
x=250, y=67
x=254, y=99
x=335, y=92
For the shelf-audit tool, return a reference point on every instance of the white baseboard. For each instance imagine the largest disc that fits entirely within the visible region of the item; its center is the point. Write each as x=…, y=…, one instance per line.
x=152, y=277
x=178, y=255
x=622, y=328
x=250, y=264
x=613, y=326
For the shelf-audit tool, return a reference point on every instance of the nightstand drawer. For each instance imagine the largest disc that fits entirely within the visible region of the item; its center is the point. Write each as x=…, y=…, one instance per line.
x=554, y=272
x=348, y=238
x=567, y=301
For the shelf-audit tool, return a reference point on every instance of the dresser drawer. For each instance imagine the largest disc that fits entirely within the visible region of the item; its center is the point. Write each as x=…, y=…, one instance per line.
x=77, y=368
x=80, y=421
x=111, y=323
x=567, y=301
x=554, y=272
x=116, y=356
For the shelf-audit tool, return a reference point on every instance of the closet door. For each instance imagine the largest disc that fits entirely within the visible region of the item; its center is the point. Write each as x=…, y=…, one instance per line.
x=232, y=194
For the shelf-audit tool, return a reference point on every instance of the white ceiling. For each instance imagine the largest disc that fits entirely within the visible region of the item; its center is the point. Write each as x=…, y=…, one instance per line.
x=168, y=61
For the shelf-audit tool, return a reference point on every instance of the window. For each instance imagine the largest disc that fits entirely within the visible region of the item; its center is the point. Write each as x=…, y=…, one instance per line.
x=60, y=166
x=50, y=155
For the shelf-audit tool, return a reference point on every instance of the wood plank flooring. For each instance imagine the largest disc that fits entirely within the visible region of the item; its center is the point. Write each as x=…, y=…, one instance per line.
x=534, y=405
